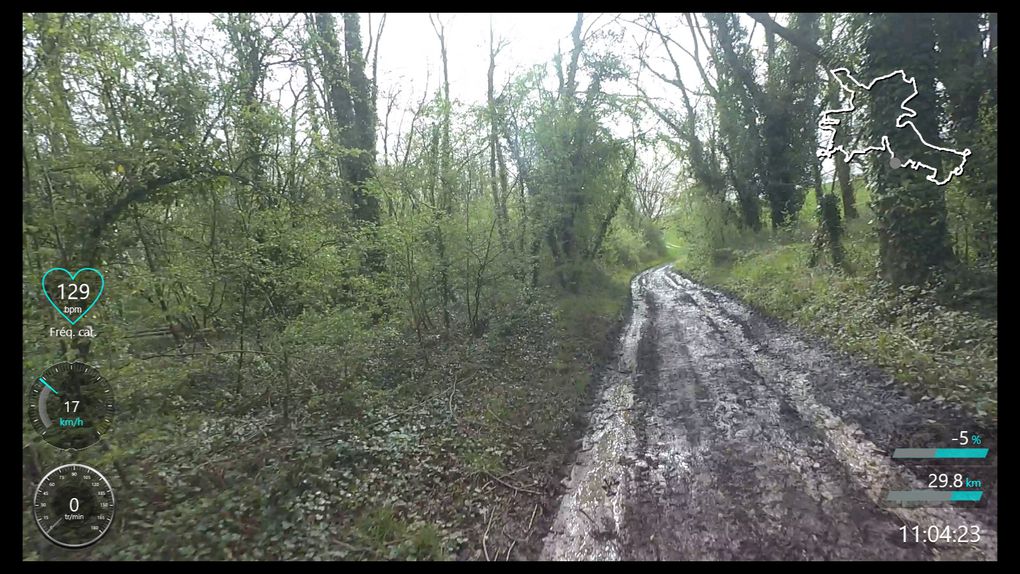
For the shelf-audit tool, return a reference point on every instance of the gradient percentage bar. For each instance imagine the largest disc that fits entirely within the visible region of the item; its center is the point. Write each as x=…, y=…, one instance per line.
x=934, y=496
x=944, y=453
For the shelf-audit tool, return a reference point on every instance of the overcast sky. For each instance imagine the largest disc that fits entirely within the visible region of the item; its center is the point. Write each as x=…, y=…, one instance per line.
x=410, y=55
x=410, y=51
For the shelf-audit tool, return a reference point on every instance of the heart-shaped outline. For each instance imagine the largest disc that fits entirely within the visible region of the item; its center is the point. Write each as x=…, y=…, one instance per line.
x=102, y=285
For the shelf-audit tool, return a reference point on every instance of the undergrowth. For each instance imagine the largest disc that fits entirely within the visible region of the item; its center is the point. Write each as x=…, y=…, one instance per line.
x=939, y=340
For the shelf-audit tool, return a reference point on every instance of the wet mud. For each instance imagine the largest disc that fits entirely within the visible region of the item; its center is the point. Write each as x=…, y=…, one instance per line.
x=720, y=434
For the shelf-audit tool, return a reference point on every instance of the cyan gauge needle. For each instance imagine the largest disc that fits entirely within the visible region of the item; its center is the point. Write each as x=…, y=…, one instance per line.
x=43, y=381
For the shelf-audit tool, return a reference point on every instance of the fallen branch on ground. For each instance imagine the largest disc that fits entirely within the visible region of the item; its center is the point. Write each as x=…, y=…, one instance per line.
x=486, y=536
x=508, y=485
x=532, y=518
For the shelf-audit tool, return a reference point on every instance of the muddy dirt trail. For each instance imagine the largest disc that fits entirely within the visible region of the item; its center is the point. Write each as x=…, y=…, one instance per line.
x=720, y=434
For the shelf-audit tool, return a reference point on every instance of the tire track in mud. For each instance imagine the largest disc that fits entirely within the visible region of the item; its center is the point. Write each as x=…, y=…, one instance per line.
x=590, y=518
x=718, y=438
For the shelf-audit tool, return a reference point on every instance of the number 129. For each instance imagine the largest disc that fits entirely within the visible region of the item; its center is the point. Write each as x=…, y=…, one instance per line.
x=82, y=291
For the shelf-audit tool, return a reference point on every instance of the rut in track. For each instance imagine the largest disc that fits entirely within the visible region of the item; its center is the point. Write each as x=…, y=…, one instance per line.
x=721, y=435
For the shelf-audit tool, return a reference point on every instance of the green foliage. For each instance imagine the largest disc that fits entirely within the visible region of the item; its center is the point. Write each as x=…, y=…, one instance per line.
x=931, y=321
x=625, y=247
x=299, y=376
x=706, y=228
x=938, y=339
x=972, y=200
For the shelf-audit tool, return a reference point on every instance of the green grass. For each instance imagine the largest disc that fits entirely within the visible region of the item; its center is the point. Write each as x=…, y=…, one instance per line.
x=383, y=528
x=946, y=354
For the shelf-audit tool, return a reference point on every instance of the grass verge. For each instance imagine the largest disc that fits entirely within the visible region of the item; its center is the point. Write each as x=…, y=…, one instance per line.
x=941, y=347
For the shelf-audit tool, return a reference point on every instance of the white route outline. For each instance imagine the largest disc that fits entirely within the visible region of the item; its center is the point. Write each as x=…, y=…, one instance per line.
x=827, y=124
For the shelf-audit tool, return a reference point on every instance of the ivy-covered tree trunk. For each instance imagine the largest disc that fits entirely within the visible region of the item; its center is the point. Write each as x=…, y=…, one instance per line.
x=740, y=99
x=830, y=228
x=788, y=108
x=910, y=211
x=959, y=56
x=361, y=164
x=351, y=101
x=334, y=75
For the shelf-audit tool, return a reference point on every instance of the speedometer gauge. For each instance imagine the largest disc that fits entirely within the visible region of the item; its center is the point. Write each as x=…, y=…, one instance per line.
x=71, y=405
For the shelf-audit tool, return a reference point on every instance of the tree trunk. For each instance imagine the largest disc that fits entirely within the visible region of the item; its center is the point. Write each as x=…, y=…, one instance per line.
x=362, y=164
x=846, y=190
x=910, y=211
x=498, y=182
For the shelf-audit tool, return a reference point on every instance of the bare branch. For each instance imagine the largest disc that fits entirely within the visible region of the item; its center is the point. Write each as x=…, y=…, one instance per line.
x=697, y=55
x=791, y=36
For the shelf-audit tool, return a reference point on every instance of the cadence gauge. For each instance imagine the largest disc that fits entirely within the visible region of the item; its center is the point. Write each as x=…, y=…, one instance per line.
x=74, y=505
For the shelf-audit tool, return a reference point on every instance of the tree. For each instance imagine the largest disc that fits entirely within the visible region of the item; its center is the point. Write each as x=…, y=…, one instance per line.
x=738, y=102
x=654, y=187
x=352, y=108
x=705, y=171
x=362, y=163
x=910, y=211
x=497, y=164
x=578, y=162
x=967, y=72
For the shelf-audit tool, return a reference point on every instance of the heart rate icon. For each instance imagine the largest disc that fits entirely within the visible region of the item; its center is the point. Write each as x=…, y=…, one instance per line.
x=74, y=295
